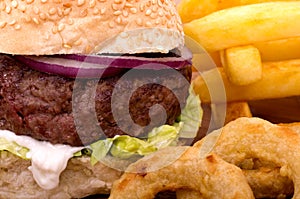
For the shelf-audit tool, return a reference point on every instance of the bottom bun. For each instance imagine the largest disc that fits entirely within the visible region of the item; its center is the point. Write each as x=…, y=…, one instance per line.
x=78, y=180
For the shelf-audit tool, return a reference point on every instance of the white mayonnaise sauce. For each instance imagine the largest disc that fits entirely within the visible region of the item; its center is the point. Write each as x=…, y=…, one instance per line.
x=47, y=160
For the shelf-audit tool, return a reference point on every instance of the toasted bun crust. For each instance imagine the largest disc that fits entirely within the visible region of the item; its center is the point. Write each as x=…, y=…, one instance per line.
x=78, y=180
x=38, y=27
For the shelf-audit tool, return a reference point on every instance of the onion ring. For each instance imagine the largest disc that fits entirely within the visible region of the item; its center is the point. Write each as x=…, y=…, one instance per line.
x=264, y=182
x=211, y=176
x=254, y=138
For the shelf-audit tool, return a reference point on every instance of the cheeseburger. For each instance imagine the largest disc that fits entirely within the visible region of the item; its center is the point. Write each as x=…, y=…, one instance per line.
x=83, y=81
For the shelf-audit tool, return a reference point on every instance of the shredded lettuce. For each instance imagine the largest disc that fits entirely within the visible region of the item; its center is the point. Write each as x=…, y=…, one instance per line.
x=124, y=146
x=14, y=148
x=191, y=116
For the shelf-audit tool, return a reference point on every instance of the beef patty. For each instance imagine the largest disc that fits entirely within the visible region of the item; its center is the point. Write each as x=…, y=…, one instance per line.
x=61, y=110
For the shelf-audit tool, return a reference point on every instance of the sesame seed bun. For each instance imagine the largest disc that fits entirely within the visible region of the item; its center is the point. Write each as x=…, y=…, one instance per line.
x=44, y=27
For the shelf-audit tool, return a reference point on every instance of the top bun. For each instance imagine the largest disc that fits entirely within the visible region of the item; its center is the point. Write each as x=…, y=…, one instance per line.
x=45, y=27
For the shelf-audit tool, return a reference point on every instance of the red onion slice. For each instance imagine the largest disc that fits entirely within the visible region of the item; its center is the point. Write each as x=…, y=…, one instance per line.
x=94, y=66
x=68, y=68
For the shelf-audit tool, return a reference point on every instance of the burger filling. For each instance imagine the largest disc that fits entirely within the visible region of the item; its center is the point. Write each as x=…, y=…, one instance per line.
x=41, y=106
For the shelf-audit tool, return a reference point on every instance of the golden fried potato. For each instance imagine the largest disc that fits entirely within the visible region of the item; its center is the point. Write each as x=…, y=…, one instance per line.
x=243, y=25
x=193, y=9
x=279, y=79
x=242, y=64
x=279, y=50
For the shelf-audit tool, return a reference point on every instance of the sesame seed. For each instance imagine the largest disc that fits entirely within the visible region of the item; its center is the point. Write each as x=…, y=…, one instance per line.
x=78, y=42
x=125, y=21
x=148, y=3
x=160, y=13
x=125, y=13
x=87, y=49
x=96, y=11
x=119, y=20
x=17, y=27
x=102, y=11
x=12, y=22
x=114, y=6
x=44, y=1
x=168, y=17
x=111, y=24
x=172, y=12
x=169, y=24
x=80, y=2
x=54, y=29
x=8, y=9
x=179, y=27
x=157, y=21
x=27, y=18
x=153, y=15
x=22, y=8
x=160, y=4
x=129, y=5
x=29, y=1
x=154, y=8
x=148, y=12
x=36, y=10
x=67, y=11
x=70, y=21
x=142, y=7
x=2, y=24
x=148, y=23
x=133, y=10
x=84, y=13
x=154, y=2
x=52, y=11
x=43, y=16
x=59, y=12
x=118, y=1
x=139, y=22
x=117, y=13
x=92, y=3
x=14, y=4
x=67, y=46
x=35, y=20
x=60, y=27
x=2, y=6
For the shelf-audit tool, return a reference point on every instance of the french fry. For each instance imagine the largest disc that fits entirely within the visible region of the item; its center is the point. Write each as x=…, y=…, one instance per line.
x=194, y=9
x=244, y=25
x=239, y=62
x=279, y=79
x=277, y=50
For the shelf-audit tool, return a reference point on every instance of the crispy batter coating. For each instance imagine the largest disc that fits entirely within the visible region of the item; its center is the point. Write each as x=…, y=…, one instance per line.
x=209, y=175
x=274, y=151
